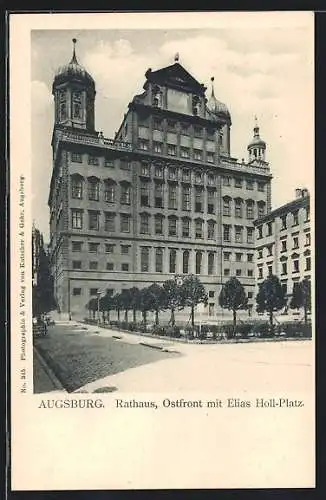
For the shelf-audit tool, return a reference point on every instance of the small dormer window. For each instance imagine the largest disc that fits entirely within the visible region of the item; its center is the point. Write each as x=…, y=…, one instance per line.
x=77, y=104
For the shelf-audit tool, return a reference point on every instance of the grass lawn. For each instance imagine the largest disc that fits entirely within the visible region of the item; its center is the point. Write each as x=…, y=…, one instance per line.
x=80, y=358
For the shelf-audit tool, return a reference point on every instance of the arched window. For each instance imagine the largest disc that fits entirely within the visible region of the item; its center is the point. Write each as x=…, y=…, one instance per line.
x=93, y=188
x=211, y=230
x=261, y=208
x=238, y=207
x=77, y=104
x=125, y=194
x=144, y=223
x=211, y=259
x=250, y=209
x=226, y=206
x=77, y=186
x=173, y=258
x=173, y=226
x=109, y=190
x=199, y=258
x=185, y=262
x=198, y=228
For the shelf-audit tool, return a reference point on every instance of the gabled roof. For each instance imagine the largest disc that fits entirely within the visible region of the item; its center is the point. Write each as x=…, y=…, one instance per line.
x=175, y=76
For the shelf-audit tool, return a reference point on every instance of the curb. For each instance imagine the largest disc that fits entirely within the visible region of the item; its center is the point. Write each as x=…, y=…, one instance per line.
x=56, y=382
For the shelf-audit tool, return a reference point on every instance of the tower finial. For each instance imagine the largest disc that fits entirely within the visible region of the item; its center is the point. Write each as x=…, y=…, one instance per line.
x=212, y=80
x=74, y=58
x=176, y=57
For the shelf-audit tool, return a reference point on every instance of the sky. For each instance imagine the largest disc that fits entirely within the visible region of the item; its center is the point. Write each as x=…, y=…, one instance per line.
x=267, y=72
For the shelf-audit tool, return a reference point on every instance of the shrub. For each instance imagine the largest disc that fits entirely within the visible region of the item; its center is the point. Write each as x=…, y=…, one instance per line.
x=261, y=329
x=244, y=329
x=173, y=331
x=296, y=329
x=228, y=329
x=159, y=330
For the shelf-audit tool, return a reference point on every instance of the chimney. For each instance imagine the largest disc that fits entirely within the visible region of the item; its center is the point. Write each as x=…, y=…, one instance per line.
x=298, y=193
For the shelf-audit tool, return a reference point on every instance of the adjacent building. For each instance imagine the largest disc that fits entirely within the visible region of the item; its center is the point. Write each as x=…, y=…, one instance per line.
x=283, y=242
x=164, y=197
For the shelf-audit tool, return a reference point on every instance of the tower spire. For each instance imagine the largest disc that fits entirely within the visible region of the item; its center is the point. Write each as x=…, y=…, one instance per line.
x=256, y=127
x=74, y=58
x=213, y=93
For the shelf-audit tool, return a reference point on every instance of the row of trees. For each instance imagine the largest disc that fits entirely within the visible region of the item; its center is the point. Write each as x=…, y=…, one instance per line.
x=178, y=293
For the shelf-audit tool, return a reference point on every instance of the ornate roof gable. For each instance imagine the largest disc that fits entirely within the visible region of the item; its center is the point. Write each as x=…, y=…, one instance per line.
x=175, y=76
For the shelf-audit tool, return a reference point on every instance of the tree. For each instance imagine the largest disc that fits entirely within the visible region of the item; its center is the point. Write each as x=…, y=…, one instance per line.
x=117, y=304
x=156, y=300
x=271, y=297
x=301, y=297
x=106, y=304
x=172, y=297
x=92, y=307
x=43, y=299
x=193, y=293
x=145, y=304
x=233, y=297
x=135, y=301
x=125, y=300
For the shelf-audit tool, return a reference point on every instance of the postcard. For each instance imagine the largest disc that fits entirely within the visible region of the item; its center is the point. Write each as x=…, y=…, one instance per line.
x=162, y=250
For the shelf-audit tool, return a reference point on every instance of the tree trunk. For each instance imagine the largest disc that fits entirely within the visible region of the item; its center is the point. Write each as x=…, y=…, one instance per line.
x=126, y=315
x=234, y=321
x=118, y=311
x=271, y=320
x=305, y=315
x=134, y=315
x=103, y=317
x=172, y=319
x=108, y=316
x=145, y=318
x=156, y=317
x=193, y=318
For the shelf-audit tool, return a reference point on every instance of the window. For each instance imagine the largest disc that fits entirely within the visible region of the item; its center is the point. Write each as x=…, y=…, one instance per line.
x=109, y=222
x=283, y=246
x=143, y=144
x=186, y=203
x=198, y=178
x=250, y=257
x=198, y=228
x=260, y=254
x=76, y=187
x=76, y=291
x=269, y=228
x=158, y=193
x=260, y=272
x=307, y=214
x=185, y=262
x=226, y=181
x=77, y=219
x=226, y=272
x=284, y=288
x=226, y=233
x=172, y=226
x=269, y=250
x=93, y=189
x=108, y=163
x=109, y=266
x=211, y=230
x=284, y=268
x=250, y=185
x=308, y=264
x=76, y=246
x=198, y=131
x=145, y=169
x=295, y=242
x=172, y=150
x=250, y=210
x=295, y=218
x=173, y=257
x=109, y=248
x=76, y=158
x=144, y=194
x=173, y=173
x=125, y=249
x=250, y=295
x=296, y=266
x=76, y=264
x=93, y=160
x=270, y=270
x=238, y=182
x=184, y=152
x=198, y=200
x=260, y=232
x=226, y=206
x=210, y=263
x=198, y=154
x=93, y=291
x=238, y=272
x=172, y=196
x=210, y=201
x=250, y=234
x=186, y=175
x=158, y=224
x=210, y=157
x=261, y=186
x=211, y=294
x=238, y=234
x=186, y=228
x=159, y=260
x=238, y=208
x=157, y=124
x=144, y=224
x=211, y=309
x=226, y=256
x=158, y=147
x=93, y=220
x=199, y=258
x=283, y=221
x=109, y=192
x=77, y=104
x=250, y=273
x=125, y=194
x=93, y=265
x=124, y=223
x=308, y=239
x=93, y=247
x=210, y=180
x=144, y=259
x=125, y=267
x=238, y=257
x=158, y=172
x=261, y=209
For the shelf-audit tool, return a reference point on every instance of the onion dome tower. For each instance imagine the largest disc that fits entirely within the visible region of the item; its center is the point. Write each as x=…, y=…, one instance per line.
x=256, y=147
x=216, y=107
x=74, y=95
